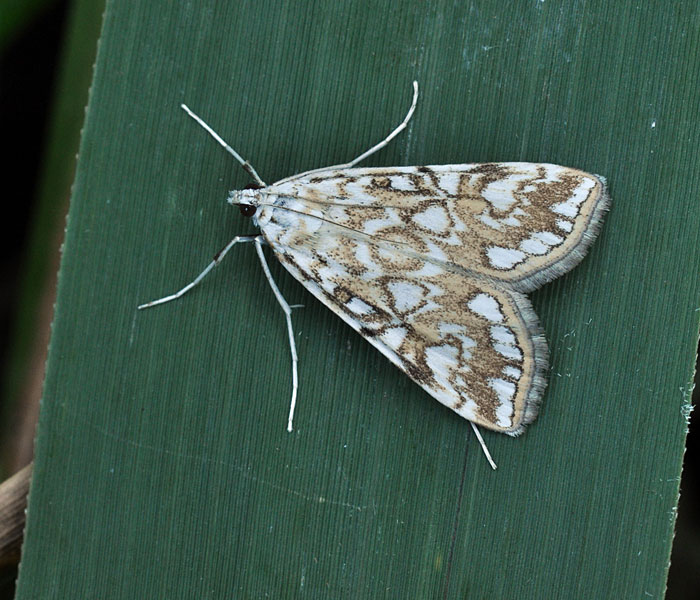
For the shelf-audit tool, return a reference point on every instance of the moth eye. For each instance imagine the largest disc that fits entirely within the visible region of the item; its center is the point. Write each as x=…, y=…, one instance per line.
x=247, y=210
x=253, y=186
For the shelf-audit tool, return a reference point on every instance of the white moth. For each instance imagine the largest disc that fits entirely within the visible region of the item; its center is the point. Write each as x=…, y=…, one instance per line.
x=431, y=266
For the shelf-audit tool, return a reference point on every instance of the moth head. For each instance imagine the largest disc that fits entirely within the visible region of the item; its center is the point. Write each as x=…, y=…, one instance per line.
x=247, y=199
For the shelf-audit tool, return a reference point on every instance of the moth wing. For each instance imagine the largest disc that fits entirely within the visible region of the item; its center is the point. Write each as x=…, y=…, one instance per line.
x=523, y=224
x=471, y=343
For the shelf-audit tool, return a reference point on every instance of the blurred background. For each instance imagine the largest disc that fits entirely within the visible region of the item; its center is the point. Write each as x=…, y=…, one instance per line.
x=47, y=49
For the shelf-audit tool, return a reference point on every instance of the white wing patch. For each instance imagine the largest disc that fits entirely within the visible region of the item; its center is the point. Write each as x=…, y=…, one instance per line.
x=434, y=218
x=405, y=295
x=486, y=306
x=504, y=258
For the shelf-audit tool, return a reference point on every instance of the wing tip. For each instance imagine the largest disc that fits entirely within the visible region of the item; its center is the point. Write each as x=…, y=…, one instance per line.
x=590, y=233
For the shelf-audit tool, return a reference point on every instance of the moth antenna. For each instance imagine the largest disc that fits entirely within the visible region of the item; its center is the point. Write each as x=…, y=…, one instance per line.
x=244, y=163
x=369, y=152
x=393, y=134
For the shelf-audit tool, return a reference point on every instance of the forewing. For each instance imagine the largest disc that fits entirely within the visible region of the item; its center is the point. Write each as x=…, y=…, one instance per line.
x=471, y=343
x=519, y=223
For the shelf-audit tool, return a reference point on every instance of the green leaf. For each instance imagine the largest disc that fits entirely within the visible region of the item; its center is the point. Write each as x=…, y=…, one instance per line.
x=163, y=465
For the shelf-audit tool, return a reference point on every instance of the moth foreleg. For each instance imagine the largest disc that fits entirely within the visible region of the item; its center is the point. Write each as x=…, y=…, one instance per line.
x=217, y=259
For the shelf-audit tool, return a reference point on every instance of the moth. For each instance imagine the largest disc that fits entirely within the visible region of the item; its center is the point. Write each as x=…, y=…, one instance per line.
x=430, y=265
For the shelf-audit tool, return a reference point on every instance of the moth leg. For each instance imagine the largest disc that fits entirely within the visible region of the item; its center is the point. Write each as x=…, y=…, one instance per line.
x=487, y=454
x=218, y=257
x=259, y=241
x=244, y=163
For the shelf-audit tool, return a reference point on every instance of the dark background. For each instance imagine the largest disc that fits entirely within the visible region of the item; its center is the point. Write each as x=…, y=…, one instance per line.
x=28, y=68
